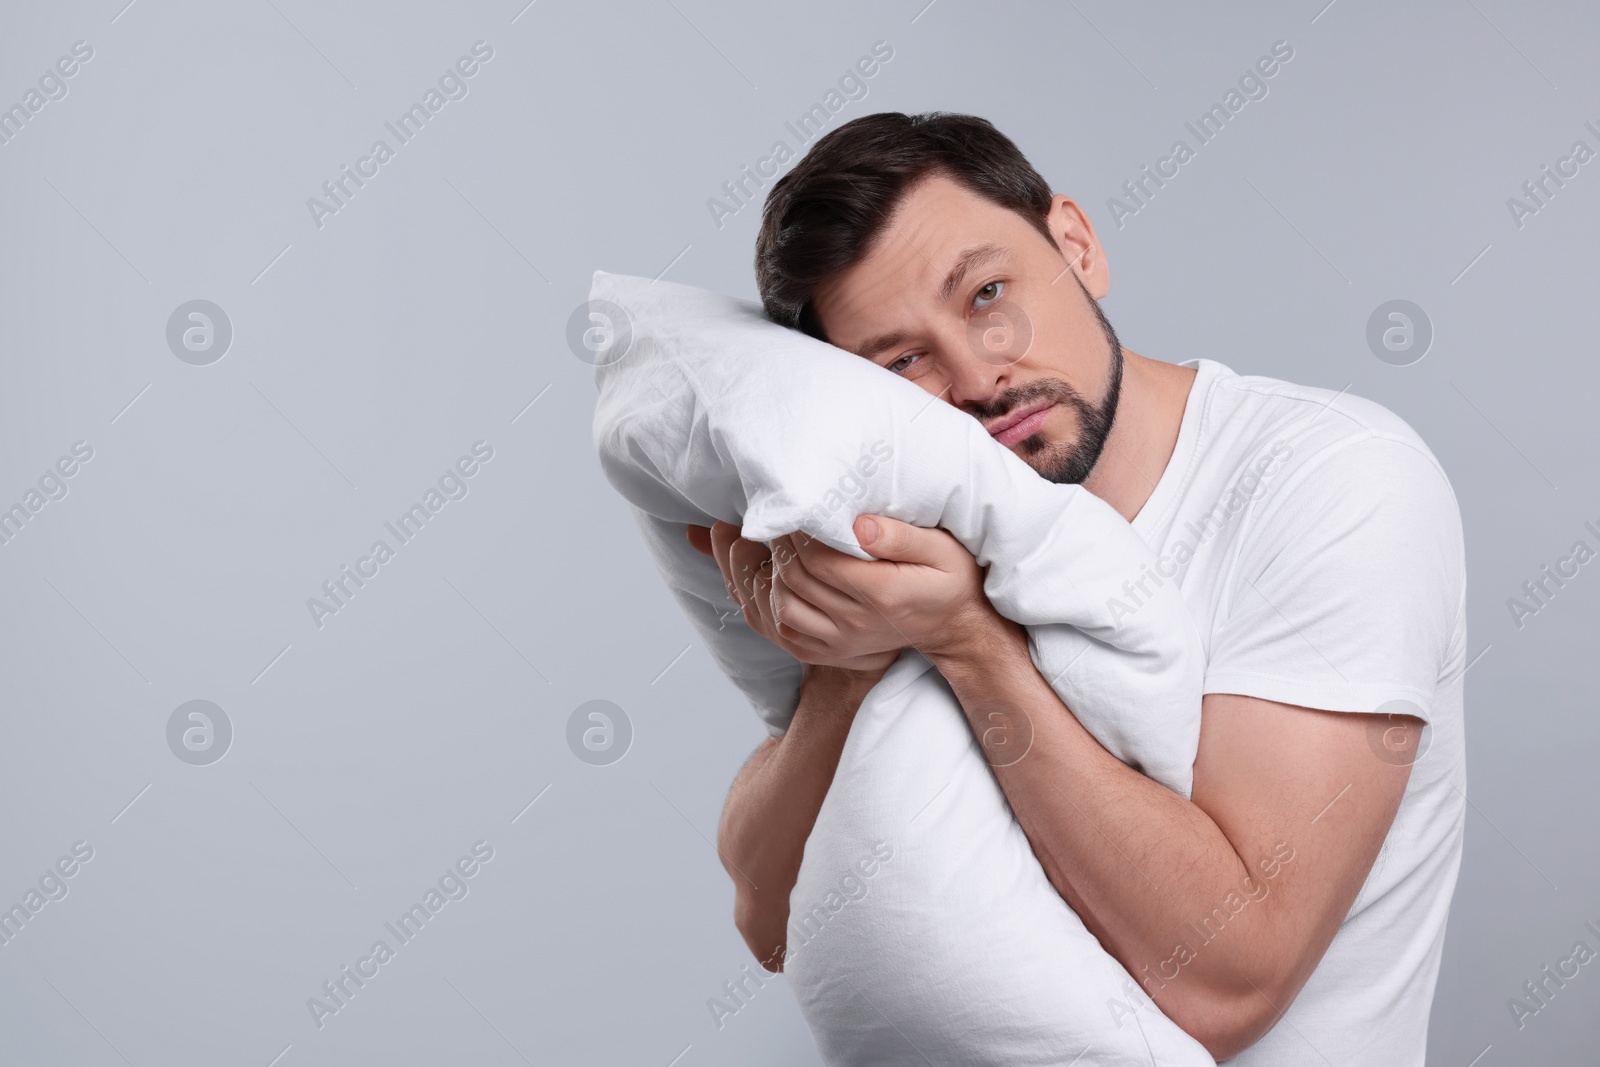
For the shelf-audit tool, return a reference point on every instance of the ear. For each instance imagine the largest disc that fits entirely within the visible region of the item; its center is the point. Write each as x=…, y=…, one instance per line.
x=1074, y=233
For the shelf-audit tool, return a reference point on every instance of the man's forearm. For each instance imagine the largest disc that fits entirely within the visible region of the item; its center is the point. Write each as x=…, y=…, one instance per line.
x=1135, y=860
x=774, y=801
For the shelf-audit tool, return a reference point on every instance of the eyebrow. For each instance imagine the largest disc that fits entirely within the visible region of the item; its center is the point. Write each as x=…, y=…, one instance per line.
x=967, y=261
x=973, y=257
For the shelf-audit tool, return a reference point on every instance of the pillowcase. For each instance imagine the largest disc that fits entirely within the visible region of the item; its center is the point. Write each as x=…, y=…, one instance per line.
x=708, y=410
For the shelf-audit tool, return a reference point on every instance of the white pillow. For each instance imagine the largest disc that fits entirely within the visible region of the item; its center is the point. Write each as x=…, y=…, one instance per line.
x=923, y=928
x=708, y=410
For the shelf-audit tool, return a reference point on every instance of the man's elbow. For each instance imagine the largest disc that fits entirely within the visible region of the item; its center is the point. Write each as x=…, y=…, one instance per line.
x=764, y=931
x=1228, y=1021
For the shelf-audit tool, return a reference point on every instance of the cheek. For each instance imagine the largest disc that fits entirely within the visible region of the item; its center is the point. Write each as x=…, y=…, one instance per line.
x=1081, y=355
x=1061, y=341
x=1088, y=347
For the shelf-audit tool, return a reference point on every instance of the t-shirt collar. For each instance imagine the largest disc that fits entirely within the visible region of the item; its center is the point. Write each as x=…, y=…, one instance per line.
x=1184, y=451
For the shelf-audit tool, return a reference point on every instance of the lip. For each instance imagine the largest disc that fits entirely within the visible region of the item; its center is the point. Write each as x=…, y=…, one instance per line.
x=1019, y=425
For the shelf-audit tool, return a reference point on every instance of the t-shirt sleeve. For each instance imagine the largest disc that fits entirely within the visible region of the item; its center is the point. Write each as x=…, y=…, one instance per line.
x=1348, y=591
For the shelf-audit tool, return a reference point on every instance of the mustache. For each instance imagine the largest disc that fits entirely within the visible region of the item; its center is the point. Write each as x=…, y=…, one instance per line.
x=1045, y=389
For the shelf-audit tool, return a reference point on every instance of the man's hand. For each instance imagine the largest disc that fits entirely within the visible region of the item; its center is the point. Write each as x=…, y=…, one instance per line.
x=782, y=601
x=822, y=606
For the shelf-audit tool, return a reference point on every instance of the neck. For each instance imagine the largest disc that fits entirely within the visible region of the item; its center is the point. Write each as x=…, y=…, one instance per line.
x=1143, y=435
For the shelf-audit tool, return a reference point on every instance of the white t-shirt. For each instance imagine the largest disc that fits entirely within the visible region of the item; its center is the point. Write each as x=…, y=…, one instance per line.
x=1318, y=545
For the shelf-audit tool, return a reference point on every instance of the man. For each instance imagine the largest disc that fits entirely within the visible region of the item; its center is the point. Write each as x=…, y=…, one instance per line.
x=1314, y=537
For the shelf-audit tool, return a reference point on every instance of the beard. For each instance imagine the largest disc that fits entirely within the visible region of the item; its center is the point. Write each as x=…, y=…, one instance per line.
x=1068, y=462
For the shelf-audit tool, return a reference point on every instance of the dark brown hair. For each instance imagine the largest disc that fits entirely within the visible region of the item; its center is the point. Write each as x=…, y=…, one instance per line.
x=823, y=216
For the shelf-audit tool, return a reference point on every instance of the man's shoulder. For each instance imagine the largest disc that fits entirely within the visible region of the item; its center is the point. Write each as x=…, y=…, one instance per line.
x=1347, y=545
x=1328, y=440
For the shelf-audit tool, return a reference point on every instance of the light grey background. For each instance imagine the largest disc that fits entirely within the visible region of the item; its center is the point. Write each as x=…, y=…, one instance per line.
x=427, y=314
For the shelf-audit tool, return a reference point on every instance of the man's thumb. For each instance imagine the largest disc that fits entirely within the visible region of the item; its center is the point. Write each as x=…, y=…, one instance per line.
x=888, y=538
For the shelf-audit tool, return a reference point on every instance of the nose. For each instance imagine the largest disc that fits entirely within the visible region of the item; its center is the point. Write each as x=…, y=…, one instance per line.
x=970, y=379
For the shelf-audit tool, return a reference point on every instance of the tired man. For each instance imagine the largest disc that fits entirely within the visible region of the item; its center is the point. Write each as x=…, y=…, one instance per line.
x=1315, y=540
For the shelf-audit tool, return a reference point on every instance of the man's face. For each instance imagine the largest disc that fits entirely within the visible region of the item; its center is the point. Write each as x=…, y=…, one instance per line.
x=972, y=303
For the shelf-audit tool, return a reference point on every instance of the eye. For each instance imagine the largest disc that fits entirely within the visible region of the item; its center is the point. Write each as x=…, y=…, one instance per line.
x=899, y=366
x=988, y=294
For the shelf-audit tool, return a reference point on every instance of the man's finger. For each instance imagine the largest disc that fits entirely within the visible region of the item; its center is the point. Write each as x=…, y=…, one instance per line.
x=799, y=572
x=797, y=622
x=746, y=561
x=723, y=535
x=791, y=608
x=839, y=571
x=700, y=538
x=902, y=542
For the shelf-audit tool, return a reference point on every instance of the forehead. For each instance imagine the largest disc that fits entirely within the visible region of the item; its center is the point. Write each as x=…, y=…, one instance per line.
x=900, y=276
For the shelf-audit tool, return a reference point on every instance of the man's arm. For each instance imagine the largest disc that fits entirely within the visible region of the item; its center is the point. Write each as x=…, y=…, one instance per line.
x=774, y=801
x=1223, y=904
x=1221, y=907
